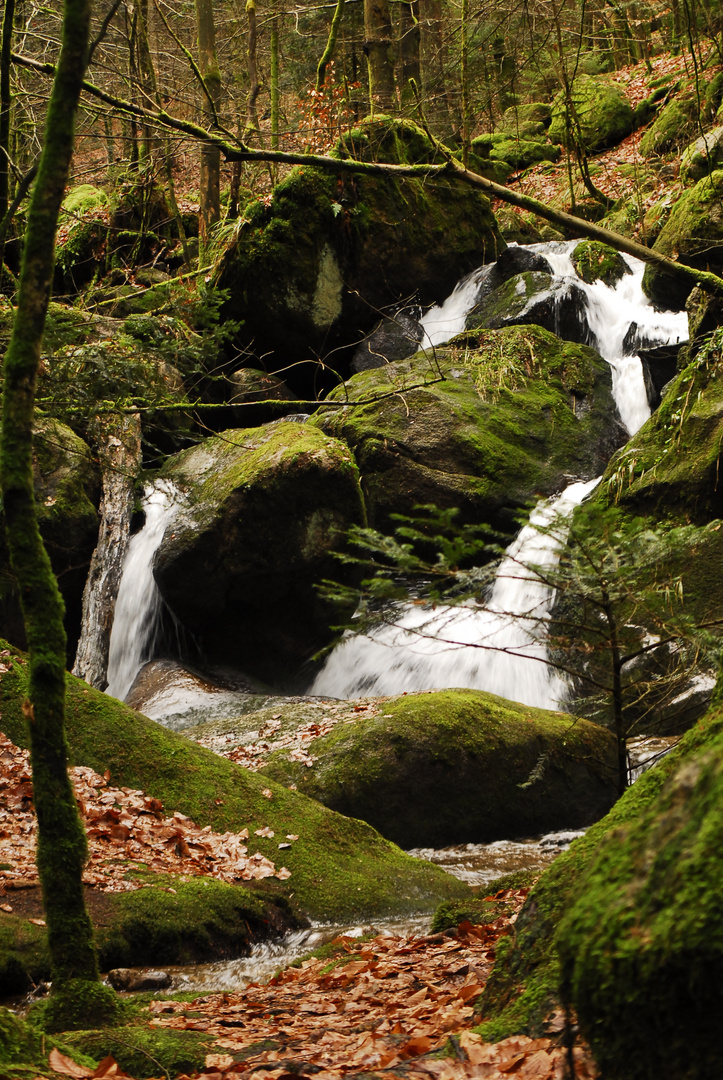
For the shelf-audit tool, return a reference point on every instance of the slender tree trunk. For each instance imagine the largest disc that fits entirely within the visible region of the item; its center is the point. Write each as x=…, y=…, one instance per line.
x=252, y=116
x=62, y=848
x=210, y=183
x=5, y=106
x=431, y=58
x=408, y=50
x=328, y=53
x=275, y=83
x=379, y=51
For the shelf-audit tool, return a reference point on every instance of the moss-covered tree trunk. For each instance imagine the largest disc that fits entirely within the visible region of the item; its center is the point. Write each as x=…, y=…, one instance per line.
x=61, y=839
x=210, y=181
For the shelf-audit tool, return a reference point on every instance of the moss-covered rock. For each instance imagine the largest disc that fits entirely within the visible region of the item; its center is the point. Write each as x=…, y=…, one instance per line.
x=702, y=156
x=486, y=425
x=84, y=197
x=454, y=767
x=641, y=945
x=514, y=119
x=524, y=988
x=517, y=151
x=594, y=261
x=516, y=227
x=67, y=489
x=267, y=508
x=602, y=112
x=693, y=234
x=340, y=868
x=673, y=126
x=303, y=272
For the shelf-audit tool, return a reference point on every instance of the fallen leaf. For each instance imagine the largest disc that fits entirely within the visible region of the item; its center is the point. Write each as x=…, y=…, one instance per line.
x=59, y=1063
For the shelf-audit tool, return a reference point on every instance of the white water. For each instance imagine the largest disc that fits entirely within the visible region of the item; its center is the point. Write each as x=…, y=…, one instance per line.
x=139, y=603
x=610, y=311
x=499, y=648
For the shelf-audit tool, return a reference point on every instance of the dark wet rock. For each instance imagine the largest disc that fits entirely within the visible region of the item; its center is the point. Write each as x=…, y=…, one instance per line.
x=310, y=270
x=133, y=981
x=659, y=367
x=168, y=691
x=267, y=509
x=248, y=387
x=533, y=297
x=394, y=338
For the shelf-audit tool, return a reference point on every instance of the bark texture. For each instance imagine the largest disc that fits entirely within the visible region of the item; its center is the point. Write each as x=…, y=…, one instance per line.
x=61, y=839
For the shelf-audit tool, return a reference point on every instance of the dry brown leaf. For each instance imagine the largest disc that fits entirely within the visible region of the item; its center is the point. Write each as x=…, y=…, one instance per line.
x=59, y=1063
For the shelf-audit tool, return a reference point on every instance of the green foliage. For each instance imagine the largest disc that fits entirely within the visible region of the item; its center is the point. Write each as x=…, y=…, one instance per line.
x=78, y=1004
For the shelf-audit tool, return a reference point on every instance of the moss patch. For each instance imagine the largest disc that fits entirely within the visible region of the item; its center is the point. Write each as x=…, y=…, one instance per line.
x=602, y=114
x=340, y=868
x=453, y=766
x=485, y=425
x=641, y=947
x=523, y=988
x=598, y=262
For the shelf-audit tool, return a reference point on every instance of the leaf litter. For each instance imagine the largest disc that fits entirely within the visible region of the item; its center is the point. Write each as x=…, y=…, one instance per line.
x=122, y=825
x=384, y=1007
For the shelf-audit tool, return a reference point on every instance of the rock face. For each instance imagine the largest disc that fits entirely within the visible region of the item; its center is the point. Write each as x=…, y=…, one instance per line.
x=67, y=490
x=311, y=270
x=453, y=767
x=604, y=114
x=487, y=425
x=702, y=156
x=642, y=947
x=693, y=234
x=267, y=508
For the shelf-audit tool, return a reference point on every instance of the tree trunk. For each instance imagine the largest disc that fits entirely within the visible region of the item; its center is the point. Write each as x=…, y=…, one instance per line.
x=120, y=453
x=380, y=55
x=5, y=107
x=62, y=848
x=252, y=116
x=431, y=58
x=210, y=182
x=328, y=53
x=408, y=49
x=274, y=88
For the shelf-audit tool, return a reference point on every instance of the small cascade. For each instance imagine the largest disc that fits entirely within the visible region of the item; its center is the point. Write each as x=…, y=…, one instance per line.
x=139, y=604
x=610, y=313
x=499, y=648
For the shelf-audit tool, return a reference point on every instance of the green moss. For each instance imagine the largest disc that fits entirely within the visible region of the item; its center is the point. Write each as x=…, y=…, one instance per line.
x=142, y=1051
x=641, y=946
x=482, y=908
x=77, y=1004
x=24, y=1048
x=672, y=127
x=340, y=868
x=524, y=985
x=602, y=110
x=692, y=234
x=449, y=431
x=598, y=262
x=476, y=748
x=84, y=197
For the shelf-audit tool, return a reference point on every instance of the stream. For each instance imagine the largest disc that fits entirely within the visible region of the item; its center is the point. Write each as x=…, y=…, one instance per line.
x=499, y=647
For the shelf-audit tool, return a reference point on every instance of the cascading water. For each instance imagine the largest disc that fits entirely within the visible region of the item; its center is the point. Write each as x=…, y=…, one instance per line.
x=139, y=602
x=499, y=648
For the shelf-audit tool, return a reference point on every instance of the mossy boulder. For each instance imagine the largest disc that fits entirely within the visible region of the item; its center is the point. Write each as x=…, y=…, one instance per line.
x=641, y=945
x=517, y=151
x=516, y=227
x=673, y=126
x=84, y=197
x=532, y=113
x=267, y=507
x=340, y=868
x=486, y=425
x=594, y=261
x=303, y=272
x=454, y=766
x=601, y=109
x=67, y=490
x=693, y=234
x=523, y=991
x=702, y=156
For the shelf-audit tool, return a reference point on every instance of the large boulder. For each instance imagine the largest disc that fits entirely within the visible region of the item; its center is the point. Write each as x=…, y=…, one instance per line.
x=310, y=268
x=641, y=946
x=267, y=508
x=456, y=766
x=603, y=112
x=67, y=491
x=702, y=156
x=693, y=234
x=487, y=424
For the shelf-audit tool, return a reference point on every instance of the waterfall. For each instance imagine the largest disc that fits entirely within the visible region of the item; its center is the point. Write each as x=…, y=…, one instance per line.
x=499, y=648
x=139, y=604
x=610, y=312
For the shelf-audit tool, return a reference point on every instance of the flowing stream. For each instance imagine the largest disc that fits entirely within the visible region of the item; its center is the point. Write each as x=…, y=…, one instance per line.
x=501, y=648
